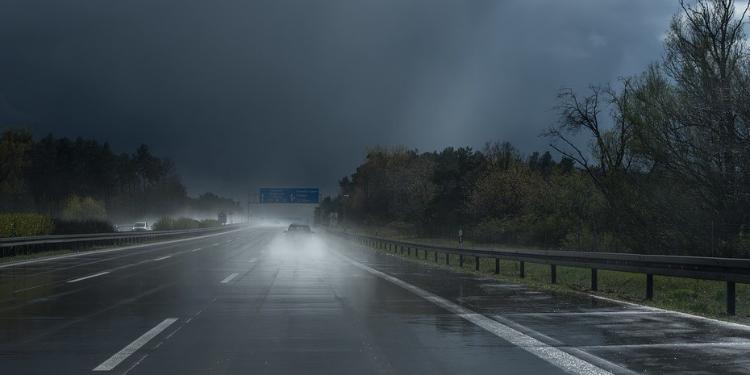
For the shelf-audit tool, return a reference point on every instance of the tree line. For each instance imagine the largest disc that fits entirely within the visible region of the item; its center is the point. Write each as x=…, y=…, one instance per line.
x=494, y=195
x=666, y=168
x=81, y=179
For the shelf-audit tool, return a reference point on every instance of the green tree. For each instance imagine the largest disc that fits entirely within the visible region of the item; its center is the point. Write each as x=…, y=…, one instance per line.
x=15, y=159
x=83, y=209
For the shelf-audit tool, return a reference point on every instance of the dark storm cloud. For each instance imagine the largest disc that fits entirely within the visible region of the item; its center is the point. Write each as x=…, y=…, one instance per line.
x=248, y=93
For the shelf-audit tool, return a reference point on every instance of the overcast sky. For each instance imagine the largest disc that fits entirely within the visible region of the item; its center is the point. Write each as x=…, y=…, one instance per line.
x=244, y=93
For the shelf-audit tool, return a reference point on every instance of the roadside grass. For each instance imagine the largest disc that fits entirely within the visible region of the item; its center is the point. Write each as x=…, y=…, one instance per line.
x=700, y=297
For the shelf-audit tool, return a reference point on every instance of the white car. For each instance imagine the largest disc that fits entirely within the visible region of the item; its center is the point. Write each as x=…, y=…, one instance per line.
x=141, y=226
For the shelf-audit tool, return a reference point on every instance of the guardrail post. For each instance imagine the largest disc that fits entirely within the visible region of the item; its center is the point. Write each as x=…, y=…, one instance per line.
x=649, y=286
x=731, y=298
x=476, y=263
x=447, y=259
x=436, y=260
x=521, y=272
x=553, y=273
x=461, y=260
x=497, y=265
x=594, y=279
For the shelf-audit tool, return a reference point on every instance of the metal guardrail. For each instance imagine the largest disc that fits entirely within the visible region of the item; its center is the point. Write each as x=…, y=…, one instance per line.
x=28, y=245
x=729, y=270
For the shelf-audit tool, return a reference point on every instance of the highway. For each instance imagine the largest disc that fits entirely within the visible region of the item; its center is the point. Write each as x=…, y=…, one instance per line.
x=256, y=300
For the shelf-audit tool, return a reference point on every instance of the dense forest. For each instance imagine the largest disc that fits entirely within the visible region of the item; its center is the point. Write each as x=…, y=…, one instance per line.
x=666, y=168
x=85, y=180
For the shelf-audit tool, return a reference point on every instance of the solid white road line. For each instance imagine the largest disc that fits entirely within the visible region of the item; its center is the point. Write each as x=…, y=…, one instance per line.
x=587, y=313
x=555, y=356
x=162, y=258
x=675, y=345
x=196, y=249
x=229, y=278
x=127, y=351
x=88, y=277
x=722, y=323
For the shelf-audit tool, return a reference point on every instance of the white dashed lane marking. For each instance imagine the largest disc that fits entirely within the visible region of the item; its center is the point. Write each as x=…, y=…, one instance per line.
x=229, y=278
x=127, y=351
x=88, y=277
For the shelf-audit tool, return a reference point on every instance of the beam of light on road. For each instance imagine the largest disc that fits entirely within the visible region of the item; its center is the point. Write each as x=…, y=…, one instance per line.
x=291, y=245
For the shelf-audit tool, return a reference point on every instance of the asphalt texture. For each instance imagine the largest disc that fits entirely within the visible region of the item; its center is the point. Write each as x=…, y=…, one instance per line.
x=261, y=301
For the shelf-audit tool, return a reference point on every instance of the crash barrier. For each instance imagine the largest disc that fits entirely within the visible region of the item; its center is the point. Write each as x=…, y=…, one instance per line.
x=77, y=242
x=729, y=270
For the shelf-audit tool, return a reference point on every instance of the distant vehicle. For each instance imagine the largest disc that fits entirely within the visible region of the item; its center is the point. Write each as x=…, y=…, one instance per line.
x=141, y=226
x=123, y=228
x=299, y=228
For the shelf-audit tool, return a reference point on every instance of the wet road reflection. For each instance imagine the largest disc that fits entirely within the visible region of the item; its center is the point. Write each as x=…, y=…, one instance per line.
x=259, y=300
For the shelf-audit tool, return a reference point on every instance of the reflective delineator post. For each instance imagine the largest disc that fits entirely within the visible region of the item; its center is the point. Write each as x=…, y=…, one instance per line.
x=553, y=273
x=731, y=298
x=594, y=279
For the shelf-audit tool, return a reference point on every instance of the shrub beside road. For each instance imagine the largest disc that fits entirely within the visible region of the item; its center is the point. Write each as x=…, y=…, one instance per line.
x=21, y=225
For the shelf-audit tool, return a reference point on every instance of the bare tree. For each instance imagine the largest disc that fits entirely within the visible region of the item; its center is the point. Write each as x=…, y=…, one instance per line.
x=610, y=154
x=686, y=118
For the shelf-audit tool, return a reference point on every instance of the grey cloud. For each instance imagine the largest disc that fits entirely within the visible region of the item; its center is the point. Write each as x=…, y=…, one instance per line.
x=248, y=93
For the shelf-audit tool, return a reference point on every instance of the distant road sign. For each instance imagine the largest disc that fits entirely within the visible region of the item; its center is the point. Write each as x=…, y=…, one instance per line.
x=289, y=195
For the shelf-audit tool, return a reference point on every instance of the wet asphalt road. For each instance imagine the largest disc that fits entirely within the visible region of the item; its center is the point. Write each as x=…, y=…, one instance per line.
x=260, y=301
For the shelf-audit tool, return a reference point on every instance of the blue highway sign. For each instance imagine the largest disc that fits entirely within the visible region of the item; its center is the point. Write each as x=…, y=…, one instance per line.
x=289, y=195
